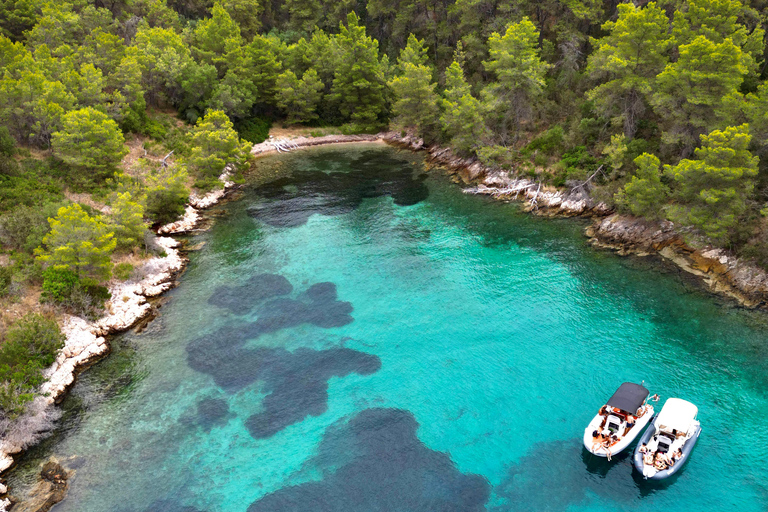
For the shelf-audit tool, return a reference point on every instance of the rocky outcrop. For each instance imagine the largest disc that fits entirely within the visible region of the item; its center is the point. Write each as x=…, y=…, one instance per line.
x=191, y=217
x=720, y=271
x=49, y=490
x=500, y=184
x=275, y=145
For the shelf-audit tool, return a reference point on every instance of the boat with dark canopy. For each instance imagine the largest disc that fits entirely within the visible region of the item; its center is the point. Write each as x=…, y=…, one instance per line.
x=619, y=421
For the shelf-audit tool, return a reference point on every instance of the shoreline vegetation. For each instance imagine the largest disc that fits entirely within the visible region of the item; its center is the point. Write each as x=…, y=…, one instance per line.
x=122, y=121
x=85, y=342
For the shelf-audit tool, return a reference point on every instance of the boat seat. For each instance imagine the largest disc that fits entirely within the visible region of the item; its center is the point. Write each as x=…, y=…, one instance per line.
x=613, y=423
x=664, y=443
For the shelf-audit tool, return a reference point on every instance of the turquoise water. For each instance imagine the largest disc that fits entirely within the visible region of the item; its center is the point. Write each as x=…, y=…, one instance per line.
x=364, y=337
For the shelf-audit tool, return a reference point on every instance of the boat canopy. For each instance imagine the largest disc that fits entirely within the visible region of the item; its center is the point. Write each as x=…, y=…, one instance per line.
x=677, y=414
x=629, y=397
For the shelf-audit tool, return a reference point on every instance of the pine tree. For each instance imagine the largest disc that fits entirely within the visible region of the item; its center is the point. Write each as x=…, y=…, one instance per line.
x=462, y=118
x=299, y=98
x=694, y=93
x=128, y=221
x=215, y=144
x=627, y=61
x=519, y=71
x=715, y=186
x=79, y=243
x=359, y=86
x=645, y=194
x=90, y=140
x=416, y=103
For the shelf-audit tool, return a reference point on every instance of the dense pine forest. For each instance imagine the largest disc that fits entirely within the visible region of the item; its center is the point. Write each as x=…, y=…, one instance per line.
x=113, y=112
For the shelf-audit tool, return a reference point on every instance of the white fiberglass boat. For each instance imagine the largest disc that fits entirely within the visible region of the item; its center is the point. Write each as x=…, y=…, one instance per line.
x=619, y=421
x=667, y=444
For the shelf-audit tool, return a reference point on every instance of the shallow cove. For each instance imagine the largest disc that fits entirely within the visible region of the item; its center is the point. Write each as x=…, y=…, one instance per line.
x=362, y=336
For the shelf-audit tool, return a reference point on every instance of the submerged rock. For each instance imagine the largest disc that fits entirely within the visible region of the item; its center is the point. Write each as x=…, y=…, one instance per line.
x=391, y=470
x=51, y=489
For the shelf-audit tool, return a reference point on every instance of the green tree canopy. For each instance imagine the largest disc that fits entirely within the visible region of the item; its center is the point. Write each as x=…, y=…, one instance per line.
x=694, y=93
x=714, y=187
x=645, y=194
x=359, y=85
x=80, y=243
x=215, y=144
x=299, y=98
x=627, y=61
x=128, y=220
x=519, y=71
x=416, y=102
x=90, y=140
x=462, y=118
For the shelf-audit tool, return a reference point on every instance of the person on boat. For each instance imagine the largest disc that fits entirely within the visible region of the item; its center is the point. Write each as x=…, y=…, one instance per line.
x=630, y=423
x=648, y=458
x=643, y=448
x=660, y=461
x=676, y=456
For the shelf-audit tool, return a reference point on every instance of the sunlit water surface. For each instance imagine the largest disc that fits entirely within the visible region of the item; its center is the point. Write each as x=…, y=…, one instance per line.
x=361, y=336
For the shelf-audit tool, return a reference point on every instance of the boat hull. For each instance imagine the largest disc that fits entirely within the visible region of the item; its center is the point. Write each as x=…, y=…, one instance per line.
x=623, y=443
x=687, y=448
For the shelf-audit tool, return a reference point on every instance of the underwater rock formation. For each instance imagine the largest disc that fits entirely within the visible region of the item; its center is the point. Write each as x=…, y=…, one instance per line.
x=240, y=299
x=391, y=470
x=291, y=201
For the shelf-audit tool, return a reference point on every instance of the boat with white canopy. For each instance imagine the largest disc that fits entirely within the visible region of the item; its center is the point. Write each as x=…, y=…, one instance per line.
x=619, y=421
x=667, y=444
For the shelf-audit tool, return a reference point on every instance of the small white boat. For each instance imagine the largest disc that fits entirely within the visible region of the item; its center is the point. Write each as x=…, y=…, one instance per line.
x=668, y=443
x=619, y=421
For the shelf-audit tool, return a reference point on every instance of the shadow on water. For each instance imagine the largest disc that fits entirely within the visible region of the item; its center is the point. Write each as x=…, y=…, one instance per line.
x=559, y=466
x=296, y=382
x=389, y=469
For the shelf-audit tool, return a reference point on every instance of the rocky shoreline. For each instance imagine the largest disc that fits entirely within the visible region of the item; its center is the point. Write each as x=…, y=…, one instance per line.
x=86, y=341
x=721, y=272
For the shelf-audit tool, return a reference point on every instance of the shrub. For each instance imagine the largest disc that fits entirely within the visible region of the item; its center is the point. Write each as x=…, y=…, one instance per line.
x=58, y=283
x=29, y=346
x=123, y=271
x=255, y=130
x=497, y=156
x=5, y=281
x=167, y=195
x=548, y=142
x=24, y=227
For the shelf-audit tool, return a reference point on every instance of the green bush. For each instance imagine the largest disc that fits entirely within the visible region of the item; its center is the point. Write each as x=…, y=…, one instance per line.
x=30, y=345
x=7, y=151
x=5, y=281
x=165, y=205
x=578, y=164
x=24, y=227
x=29, y=189
x=255, y=130
x=550, y=142
x=122, y=271
x=58, y=284
x=154, y=129
x=497, y=156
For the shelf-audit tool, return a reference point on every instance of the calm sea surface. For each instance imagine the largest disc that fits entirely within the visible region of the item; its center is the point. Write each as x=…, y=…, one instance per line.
x=359, y=335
